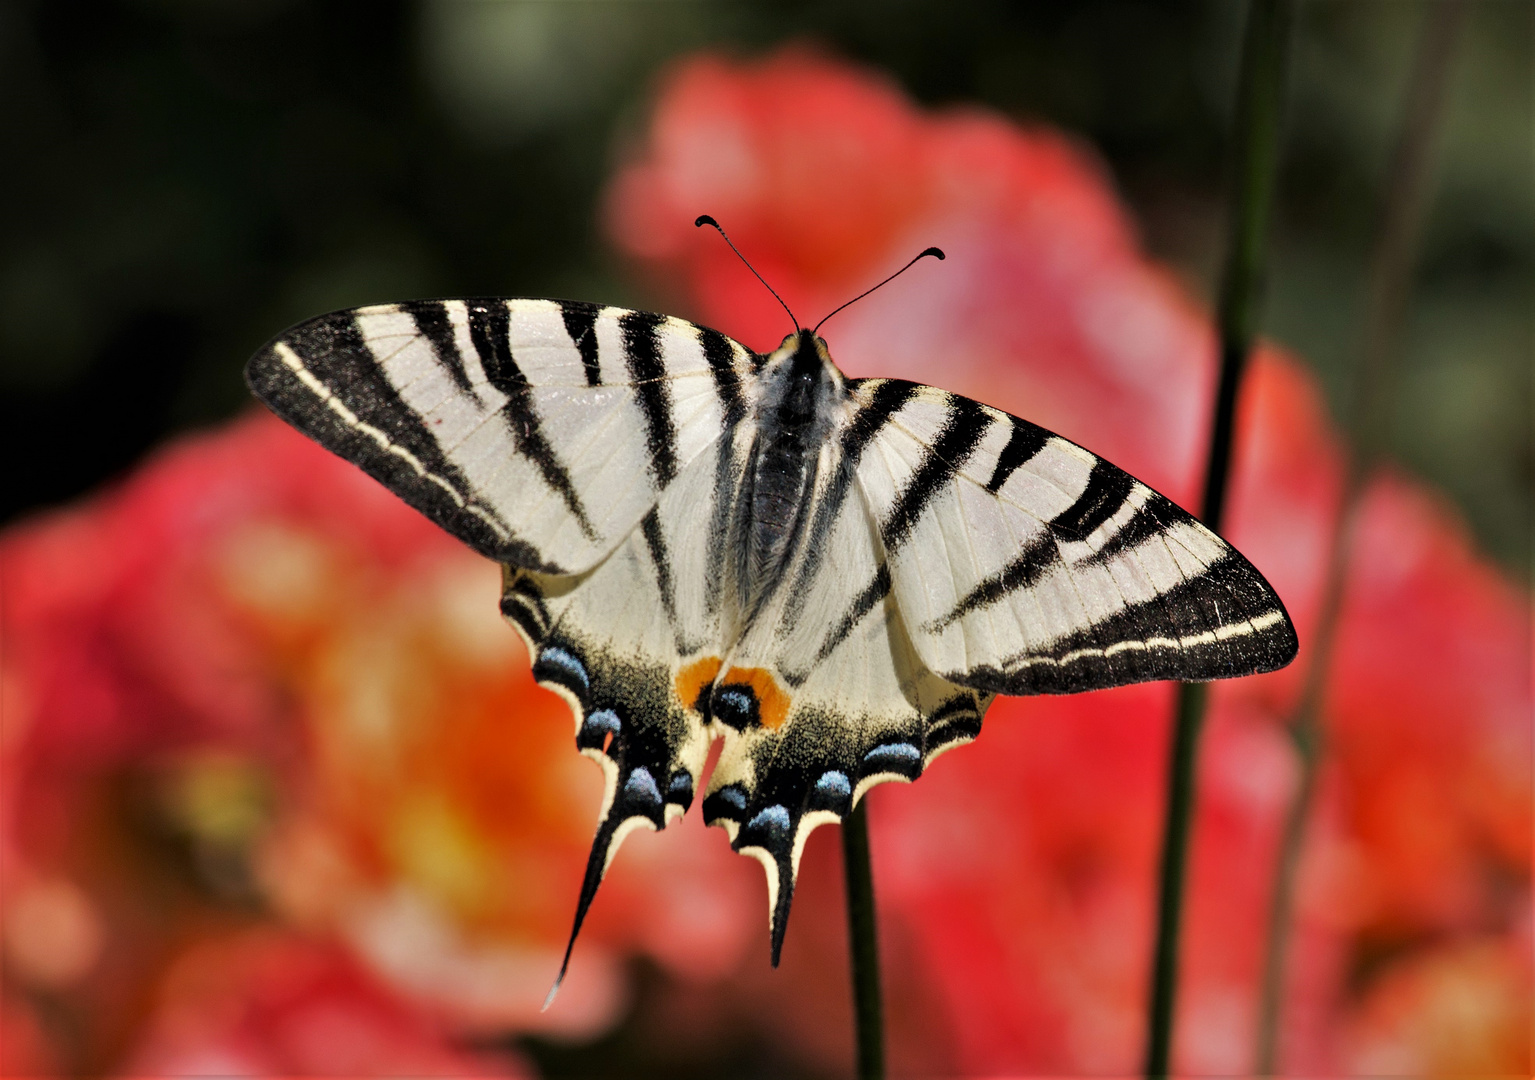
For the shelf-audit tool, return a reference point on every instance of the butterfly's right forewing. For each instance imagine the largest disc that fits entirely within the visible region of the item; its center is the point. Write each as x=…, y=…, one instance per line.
x=540, y=432
x=1024, y=564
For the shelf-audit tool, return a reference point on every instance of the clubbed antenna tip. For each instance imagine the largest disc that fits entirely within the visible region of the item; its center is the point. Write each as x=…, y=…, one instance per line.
x=934, y=252
x=704, y=219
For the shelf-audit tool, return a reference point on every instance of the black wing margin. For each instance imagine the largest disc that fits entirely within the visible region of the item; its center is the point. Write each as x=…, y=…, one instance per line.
x=324, y=379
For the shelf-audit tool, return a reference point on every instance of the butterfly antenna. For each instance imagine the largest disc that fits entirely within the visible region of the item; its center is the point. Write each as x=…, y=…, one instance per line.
x=934, y=252
x=705, y=219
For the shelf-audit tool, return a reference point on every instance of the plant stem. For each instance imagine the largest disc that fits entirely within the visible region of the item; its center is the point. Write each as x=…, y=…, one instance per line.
x=1260, y=100
x=1255, y=142
x=1188, y=722
x=1390, y=280
x=863, y=944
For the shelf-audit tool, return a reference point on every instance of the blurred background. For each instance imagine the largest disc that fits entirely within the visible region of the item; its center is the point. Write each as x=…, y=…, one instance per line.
x=204, y=871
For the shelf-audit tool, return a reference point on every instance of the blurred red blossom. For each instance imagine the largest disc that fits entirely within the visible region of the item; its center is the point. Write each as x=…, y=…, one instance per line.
x=280, y=796
x=269, y=1004
x=251, y=683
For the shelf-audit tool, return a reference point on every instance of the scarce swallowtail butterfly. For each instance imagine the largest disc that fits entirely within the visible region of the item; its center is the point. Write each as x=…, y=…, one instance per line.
x=834, y=576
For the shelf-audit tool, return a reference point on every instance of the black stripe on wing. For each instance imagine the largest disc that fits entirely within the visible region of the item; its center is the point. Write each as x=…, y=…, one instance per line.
x=871, y=594
x=719, y=354
x=1105, y=493
x=661, y=560
x=1107, y=489
x=581, y=324
x=431, y=318
x=1222, y=623
x=490, y=331
x=647, y=369
x=322, y=378
x=1023, y=443
x=1026, y=568
x=522, y=601
x=886, y=400
x=961, y=433
x=956, y=721
x=1154, y=517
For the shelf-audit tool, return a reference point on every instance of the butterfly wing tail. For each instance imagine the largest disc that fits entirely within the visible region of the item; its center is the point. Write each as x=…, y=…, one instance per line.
x=616, y=825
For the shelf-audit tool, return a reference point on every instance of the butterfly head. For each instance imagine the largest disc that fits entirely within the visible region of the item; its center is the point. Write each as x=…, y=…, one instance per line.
x=801, y=376
x=804, y=356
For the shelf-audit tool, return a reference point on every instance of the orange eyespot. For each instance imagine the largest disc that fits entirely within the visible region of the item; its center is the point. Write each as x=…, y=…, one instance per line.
x=772, y=702
x=695, y=678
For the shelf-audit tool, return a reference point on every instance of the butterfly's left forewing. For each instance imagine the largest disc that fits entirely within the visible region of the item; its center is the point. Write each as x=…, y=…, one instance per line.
x=540, y=432
x=1024, y=564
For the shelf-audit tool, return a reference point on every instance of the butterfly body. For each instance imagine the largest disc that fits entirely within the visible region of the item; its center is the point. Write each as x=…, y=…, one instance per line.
x=802, y=395
x=831, y=576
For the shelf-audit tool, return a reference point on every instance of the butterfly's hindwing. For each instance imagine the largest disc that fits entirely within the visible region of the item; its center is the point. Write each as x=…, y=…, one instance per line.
x=1025, y=565
x=540, y=432
x=822, y=697
x=613, y=643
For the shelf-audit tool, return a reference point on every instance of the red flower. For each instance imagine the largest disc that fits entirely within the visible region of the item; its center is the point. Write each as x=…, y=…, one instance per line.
x=268, y=1004
x=251, y=676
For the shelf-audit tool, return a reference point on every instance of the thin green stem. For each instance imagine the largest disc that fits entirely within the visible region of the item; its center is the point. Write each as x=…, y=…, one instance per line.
x=863, y=944
x=1255, y=144
x=1406, y=199
x=1180, y=812
x=1260, y=101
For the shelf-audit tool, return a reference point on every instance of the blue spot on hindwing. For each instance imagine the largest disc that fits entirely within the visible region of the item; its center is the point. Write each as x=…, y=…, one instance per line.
x=735, y=707
x=563, y=667
x=832, y=791
x=774, y=821
x=596, y=728
x=728, y=803
x=641, y=788
x=680, y=789
x=605, y=721
x=902, y=758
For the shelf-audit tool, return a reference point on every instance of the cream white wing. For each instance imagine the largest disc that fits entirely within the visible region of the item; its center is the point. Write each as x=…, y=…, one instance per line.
x=1024, y=564
x=540, y=432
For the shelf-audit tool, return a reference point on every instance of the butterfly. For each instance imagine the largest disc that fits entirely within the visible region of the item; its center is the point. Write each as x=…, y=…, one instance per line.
x=832, y=576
